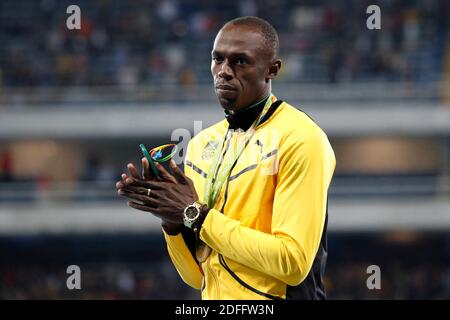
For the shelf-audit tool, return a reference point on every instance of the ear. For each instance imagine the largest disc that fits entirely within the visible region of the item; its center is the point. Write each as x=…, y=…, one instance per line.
x=274, y=68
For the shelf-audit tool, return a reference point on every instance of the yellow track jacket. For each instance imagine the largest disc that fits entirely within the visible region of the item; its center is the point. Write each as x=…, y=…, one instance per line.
x=268, y=227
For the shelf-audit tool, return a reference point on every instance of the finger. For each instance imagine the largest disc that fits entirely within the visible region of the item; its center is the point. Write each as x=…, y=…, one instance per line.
x=143, y=191
x=165, y=175
x=181, y=178
x=147, y=174
x=157, y=185
x=133, y=171
x=120, y=184
x=141, y=207
x=156, y=212
x=148, y=201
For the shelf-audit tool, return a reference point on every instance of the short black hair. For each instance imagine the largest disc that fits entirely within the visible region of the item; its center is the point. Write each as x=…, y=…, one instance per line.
x=272, y=43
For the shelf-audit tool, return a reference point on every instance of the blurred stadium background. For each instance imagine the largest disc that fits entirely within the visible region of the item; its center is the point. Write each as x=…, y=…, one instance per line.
x=74, y=106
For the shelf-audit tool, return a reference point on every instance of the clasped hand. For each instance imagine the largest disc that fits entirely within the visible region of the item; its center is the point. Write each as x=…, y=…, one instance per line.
x=169, y=193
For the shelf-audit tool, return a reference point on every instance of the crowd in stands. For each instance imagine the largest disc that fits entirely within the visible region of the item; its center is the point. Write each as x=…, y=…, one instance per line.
x=133, y=270
x=146, y=42
x=158, y=280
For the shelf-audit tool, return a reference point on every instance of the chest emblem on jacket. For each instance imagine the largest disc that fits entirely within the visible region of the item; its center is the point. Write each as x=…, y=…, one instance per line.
x=209, y=150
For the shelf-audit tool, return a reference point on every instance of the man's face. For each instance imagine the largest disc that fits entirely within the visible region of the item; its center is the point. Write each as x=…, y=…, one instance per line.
x=240, y=67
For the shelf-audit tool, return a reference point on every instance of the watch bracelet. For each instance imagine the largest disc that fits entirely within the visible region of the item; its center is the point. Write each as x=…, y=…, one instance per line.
x=197, y=225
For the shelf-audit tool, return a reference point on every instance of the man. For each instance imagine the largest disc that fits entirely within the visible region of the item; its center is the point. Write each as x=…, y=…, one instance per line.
x=248, y=218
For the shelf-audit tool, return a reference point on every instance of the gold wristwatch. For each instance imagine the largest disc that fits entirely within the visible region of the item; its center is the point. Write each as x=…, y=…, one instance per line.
x=192, y=213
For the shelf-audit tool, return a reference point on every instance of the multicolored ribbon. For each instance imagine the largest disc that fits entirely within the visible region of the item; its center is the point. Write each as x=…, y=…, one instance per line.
x=156, y=155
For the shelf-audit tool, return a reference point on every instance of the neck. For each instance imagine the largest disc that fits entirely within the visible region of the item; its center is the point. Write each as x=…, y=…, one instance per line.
x=244, y=117
x=250, y=106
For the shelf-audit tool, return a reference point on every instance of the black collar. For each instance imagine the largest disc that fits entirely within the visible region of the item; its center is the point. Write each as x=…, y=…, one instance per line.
x=244, y=118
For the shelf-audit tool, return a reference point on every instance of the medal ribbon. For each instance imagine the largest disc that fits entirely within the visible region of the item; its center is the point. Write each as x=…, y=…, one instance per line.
x=222, y=169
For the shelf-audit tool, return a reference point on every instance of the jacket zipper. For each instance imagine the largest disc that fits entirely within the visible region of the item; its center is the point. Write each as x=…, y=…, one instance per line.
x=222, y=260
x=216, y=282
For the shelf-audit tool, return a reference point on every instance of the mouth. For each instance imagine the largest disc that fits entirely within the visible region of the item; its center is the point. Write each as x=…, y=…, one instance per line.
x=226, y=92
x=224, y=87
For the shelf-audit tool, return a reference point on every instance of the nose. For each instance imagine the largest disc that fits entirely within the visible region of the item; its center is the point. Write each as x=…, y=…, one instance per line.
x=225, y=71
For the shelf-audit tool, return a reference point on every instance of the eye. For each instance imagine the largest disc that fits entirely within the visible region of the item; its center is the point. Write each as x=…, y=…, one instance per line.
x=240, y=61
x=217, y=59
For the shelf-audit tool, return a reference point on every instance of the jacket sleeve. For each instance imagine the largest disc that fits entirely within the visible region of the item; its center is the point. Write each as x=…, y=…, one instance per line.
x=305, y=170
x=182, y=257
x=183, y=260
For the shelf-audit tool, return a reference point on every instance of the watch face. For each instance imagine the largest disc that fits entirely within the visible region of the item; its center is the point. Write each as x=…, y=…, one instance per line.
x=191, y=212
